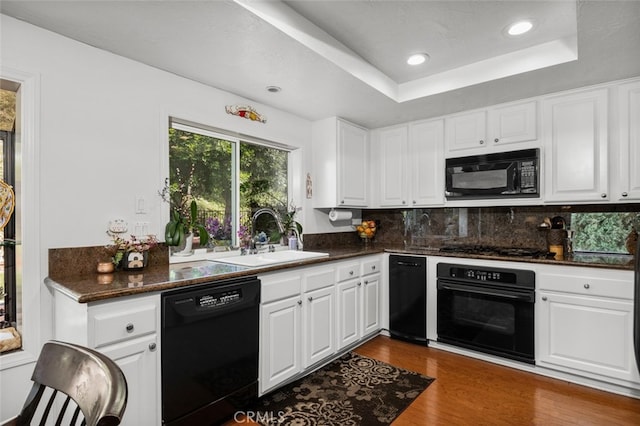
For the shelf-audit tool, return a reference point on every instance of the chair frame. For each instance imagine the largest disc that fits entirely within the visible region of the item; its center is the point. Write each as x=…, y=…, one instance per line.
x=92, y=380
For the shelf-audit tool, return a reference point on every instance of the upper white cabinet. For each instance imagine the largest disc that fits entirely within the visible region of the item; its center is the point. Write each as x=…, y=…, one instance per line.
x=340, y=163
x=411, y=165
x=576, y=143
x=629, y=147
x=491, y=129
x=426, y=156
x=392, y=171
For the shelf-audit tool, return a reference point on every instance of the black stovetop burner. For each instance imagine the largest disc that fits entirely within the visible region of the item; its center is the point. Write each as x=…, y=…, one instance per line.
x=494, y=251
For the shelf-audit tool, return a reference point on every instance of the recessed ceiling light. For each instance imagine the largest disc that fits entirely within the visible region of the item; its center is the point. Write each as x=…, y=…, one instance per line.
x=417, y=59
x=273, y=89
x=519, y=28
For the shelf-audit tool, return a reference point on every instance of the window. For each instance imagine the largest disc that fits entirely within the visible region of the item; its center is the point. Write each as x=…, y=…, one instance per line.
x=603, y=232
x=10, y=253
x=229, y=179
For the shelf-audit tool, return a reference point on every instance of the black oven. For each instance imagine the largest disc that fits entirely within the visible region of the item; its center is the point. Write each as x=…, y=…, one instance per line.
x=500, y=175
x=486, y=309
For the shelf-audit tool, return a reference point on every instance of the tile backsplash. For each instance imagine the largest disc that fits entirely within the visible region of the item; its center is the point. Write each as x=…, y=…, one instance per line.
x=516, y=227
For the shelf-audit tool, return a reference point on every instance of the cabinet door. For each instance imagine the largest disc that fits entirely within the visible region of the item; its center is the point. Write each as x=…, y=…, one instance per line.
x=370, y=304
x=466, y=131
x=280, y=342
x=575, y=139
x=629, y=110
x=512, y=123
x=426, y=161
x=319, y=325
x=587, y=334
x=392, y=147
x=138, y=359
x=348, y=324
x=352, y=170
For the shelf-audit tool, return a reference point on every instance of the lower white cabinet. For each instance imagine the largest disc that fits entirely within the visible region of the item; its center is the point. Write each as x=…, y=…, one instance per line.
x=584, y=322
x=305, y=317
x=126, y=330
x=358, y=300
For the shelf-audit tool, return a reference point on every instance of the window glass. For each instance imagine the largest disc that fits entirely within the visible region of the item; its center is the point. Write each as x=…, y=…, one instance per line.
x=603, y=232
x=229, y=179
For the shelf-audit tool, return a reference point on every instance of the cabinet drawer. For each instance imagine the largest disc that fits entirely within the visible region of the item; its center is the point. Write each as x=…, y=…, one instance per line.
x=371, y=266
x=110, y=324
x=280, y=286
x=318, y=278
x=348, y=271
x=585, y=285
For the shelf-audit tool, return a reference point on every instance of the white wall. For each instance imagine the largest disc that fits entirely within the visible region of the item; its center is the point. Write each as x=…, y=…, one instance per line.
x=102, y=129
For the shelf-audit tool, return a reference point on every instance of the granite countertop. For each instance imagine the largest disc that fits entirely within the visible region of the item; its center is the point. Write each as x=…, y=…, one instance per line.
x=94, y=287
x=594, y=260
x=91, y=287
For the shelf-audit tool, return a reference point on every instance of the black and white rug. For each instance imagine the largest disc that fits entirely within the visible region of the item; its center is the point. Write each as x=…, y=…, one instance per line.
x=353, y=390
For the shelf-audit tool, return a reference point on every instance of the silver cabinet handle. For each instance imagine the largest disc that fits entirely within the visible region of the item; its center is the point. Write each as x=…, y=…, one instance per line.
x=350, y=272
x=342, y=202
x=603, y=195
x=152, y=347
x=299, y=302
x=310, y=299
x=496, y=140
x=359, y=283
x=587, y=285
x=624, y=194
x=129, y=328
x=481, y=142
x=404, y=202
x=366, y=282
x=544, y=298
x=414, y=201
x=373, y=267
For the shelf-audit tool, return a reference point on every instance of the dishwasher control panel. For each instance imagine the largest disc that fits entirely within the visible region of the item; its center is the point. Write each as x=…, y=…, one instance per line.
x=218, y=299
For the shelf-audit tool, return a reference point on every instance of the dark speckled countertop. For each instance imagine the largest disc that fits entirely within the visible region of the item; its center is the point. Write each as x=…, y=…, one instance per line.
x=594, y=260
x=91, y=286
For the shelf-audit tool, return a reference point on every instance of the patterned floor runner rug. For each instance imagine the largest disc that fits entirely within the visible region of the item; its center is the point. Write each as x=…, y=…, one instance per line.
x=353, y=390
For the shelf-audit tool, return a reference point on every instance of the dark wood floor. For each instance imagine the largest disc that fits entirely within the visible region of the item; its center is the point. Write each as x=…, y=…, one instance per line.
x=473, y=392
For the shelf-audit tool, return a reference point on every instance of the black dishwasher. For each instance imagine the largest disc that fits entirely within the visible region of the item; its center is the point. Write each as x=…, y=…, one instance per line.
x=209, y=351
x=408, y=298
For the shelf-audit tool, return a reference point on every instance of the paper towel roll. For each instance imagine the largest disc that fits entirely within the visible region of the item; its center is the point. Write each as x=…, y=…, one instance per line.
x=336, y=215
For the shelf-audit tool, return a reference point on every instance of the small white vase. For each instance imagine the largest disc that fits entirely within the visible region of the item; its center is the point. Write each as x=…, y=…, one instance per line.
x=187, y=250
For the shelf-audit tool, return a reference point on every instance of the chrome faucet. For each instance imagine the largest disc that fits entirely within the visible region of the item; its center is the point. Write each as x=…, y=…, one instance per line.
x=268, y=211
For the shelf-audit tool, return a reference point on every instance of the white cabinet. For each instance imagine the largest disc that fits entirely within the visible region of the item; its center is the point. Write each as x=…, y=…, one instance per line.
x=491, y=129
x=126, y=330
x=629, y=147
x=584, y=322
x=340, y=152
x=411, y=164
x=297, y=322
x=358, y=300
x=393, y=173
x=576, y=143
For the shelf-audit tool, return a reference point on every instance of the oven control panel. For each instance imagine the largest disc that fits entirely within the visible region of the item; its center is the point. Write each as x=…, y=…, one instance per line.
x=476, y=274
x=496, y=276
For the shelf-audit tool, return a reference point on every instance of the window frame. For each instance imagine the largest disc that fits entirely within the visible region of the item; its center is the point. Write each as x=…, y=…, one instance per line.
x=293, y=161
x=34, y=330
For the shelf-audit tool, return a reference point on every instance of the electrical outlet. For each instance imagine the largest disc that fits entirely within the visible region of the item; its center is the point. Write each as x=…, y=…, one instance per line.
x=118, y=226
x=142, y=229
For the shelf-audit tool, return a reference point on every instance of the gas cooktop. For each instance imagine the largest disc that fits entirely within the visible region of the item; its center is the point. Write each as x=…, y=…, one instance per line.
x=494, y=251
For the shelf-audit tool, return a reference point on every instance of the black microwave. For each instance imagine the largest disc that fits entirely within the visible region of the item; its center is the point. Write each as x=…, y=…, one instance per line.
x=513, y=174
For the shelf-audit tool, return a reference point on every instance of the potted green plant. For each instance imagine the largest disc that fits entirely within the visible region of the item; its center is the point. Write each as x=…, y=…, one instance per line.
x=181, y=228
x=179, y=231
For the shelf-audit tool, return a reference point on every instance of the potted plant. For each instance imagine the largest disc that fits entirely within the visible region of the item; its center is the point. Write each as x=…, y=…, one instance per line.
x=179, y=231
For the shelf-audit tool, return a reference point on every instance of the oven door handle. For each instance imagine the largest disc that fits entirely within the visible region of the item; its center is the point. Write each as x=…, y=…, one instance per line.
x=487, y=291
